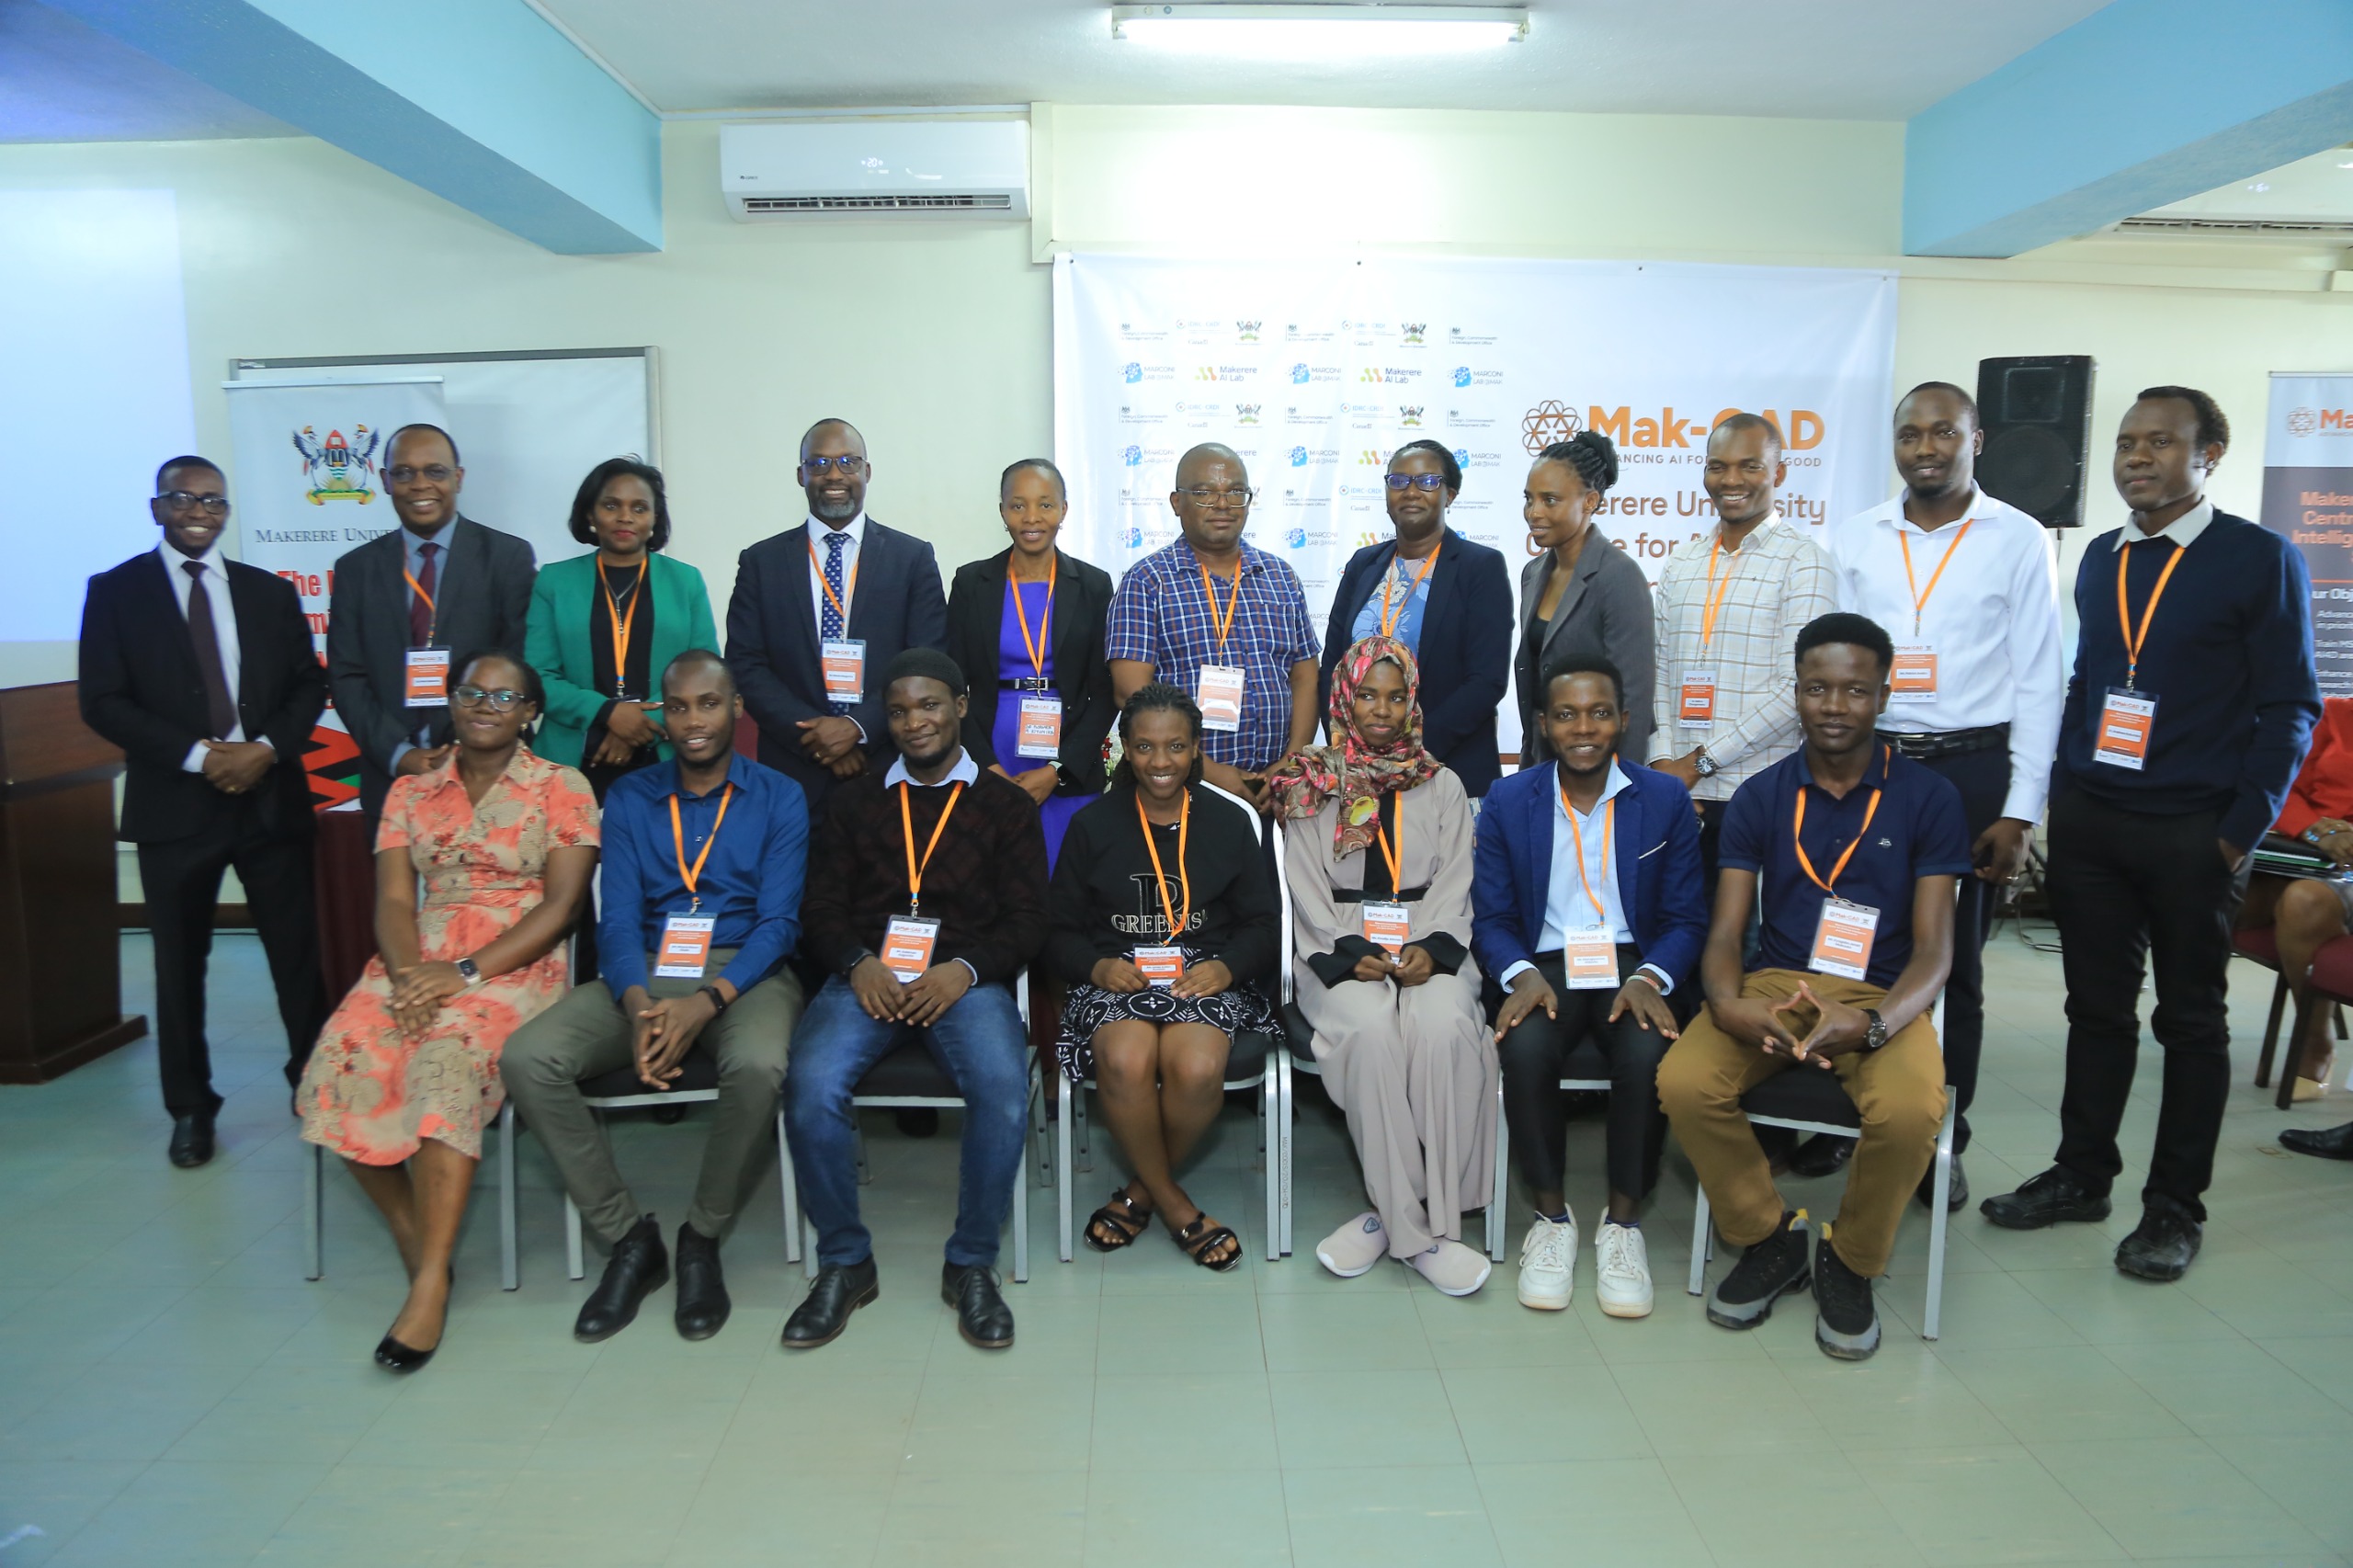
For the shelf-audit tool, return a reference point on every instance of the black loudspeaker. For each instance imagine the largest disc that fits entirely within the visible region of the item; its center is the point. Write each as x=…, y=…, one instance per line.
x=2038, y=415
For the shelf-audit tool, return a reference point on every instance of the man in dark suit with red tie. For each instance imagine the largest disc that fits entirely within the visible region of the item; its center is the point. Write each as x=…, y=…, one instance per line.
x=200, y=668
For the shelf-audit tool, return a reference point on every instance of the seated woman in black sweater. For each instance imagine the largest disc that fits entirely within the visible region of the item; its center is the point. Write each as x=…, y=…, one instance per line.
x=1164, y=926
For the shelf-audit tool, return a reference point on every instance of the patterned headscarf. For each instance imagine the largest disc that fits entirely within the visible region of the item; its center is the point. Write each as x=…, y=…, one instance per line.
x=1353, y=771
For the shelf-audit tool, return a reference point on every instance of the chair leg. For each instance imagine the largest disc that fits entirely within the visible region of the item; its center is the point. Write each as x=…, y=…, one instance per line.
x=1499, y=1195
x=1021, y=1220
x=1271, y=1137
x=858, y=1132
x=1287, y=1116
x=789, y=1189
x=510, y=1268
x=314, y=1232
x=1699, y=1246
x=1064, y=1110
x=1086, y=1142
x=1039, y=1131
x=2291, y=1050
x=575, y=1262
x=1937, y=1195
x=2271, y=1032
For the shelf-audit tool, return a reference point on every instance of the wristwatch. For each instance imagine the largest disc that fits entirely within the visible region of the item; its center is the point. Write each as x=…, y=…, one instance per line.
x=469, y=971
x=1876, y=1036
x=1703, y=765
x=718, y=998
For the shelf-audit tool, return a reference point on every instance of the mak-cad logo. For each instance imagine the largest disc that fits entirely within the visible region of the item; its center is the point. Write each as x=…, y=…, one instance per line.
x=1552, y=420
x=2320, y=422
x=1548, y=421
x=339, y=470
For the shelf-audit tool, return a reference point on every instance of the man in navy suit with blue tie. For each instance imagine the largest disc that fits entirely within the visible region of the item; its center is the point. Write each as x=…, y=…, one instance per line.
x=1587, y=909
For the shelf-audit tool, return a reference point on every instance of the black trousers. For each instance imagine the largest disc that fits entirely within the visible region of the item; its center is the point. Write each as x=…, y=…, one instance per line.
x=2127, y=887
x=1531, y=1056
x=1984, y=779
x=182, y=882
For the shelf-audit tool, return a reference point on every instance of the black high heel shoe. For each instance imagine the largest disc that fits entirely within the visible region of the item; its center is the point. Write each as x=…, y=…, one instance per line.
x=395, y=1356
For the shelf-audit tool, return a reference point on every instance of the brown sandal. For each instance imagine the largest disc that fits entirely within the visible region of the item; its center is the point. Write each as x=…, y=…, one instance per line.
x=1110, y=1229
x=1202, y=1239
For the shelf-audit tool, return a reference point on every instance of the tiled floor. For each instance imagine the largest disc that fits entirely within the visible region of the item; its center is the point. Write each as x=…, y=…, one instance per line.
x=173, y=1393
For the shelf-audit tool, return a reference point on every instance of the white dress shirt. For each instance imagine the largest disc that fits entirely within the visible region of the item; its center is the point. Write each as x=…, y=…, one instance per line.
x=1992, y=620
x=854, y=532
x=966, y=771
x=215, y=582
x=2183, y=530
x=1566, y=904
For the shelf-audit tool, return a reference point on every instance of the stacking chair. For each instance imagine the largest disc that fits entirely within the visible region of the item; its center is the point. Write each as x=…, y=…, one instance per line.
x=315, y=1224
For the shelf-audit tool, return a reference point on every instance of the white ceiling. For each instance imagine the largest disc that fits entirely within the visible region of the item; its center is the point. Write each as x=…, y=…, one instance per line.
x=62, y=80
x=1815, y=59
x=2318, y=190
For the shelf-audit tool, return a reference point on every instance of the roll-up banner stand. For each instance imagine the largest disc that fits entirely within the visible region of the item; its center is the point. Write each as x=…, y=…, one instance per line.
x=2307, y=498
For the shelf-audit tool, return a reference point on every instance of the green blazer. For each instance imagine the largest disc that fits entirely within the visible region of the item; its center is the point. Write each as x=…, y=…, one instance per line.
x=555, y=641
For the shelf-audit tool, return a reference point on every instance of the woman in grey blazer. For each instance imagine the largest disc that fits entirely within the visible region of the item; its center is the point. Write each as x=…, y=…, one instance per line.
x=1581, y=594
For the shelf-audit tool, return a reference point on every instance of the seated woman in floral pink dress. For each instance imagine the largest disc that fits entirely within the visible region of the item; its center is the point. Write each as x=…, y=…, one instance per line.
x=405, y=1074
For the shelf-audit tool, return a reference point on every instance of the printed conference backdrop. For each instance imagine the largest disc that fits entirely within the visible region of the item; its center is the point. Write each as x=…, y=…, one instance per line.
x=1316, y=371
x=2308, y=497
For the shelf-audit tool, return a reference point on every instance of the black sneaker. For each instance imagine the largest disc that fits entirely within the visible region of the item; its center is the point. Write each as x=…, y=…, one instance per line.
x=1765, y=1272
x=1846, y=1323
x=2163, y=1245
x=2047, y=1200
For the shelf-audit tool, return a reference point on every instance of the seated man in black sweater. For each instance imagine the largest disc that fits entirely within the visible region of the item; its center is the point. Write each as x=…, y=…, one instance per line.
x=927, y=894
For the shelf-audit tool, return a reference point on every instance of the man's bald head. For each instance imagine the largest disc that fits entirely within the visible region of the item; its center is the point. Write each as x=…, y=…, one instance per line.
x=699, y=663
x=849, y=439
x=1189, y=466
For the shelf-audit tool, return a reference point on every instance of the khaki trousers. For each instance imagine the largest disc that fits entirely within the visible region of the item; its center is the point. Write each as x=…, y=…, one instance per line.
x=1899, y=1089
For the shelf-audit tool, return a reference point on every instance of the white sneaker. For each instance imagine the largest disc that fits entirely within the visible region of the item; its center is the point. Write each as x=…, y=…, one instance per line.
x=1455, y=1269
x=1622, y=1275
x=1355, y=1246
x=1548, y=1261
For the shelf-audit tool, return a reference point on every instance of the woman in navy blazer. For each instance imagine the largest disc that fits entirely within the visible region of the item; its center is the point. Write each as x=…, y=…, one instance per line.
x=1542, y=829
x=1448, y=600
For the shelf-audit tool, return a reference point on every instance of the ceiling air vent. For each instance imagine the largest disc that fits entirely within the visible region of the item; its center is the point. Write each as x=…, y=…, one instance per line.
x=2231, y=226
x=785, y=171
x=990, y=201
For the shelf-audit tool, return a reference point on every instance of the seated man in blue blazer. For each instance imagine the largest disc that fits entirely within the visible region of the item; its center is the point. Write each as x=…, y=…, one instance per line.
x=1586, y=906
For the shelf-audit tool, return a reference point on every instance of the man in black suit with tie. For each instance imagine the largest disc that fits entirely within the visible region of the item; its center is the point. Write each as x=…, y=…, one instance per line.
x=818, y=614
x=200, y=668
x=435, y=588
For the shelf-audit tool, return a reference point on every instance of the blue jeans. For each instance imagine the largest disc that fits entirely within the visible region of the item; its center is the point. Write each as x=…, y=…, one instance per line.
x=981, y=1043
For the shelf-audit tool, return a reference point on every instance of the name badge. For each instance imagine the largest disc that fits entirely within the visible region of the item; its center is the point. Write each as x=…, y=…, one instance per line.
x=1161, y=966
x=426, y=672
x=1843, y=938
x=685, y=947
x=1219, y=693
x=907, y=944
x=842, y=659
x=2125, y=720
x=1697, y=704
x=1387, y=924
x=1041, y=728
x=1589, y=958
x=1912, y=676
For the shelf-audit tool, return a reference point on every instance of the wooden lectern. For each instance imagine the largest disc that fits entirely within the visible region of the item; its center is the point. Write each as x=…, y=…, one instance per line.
x=61, y=961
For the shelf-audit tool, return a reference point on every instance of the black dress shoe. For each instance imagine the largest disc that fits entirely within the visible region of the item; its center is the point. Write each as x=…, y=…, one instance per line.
x=1956, y=1196
x=918, y=1121
x=1822, y=1154
x=2164, y=1245
x=840, y=1289
x=2330, y=1144
x=392, y=1354
x=638, y=1268
x=703, y=1305
x=982, y=1316
x=191, y=1139
x=2046, y=1200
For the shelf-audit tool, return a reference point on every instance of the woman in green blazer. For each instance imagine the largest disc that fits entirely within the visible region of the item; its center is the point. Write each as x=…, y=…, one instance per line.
x=604, y=625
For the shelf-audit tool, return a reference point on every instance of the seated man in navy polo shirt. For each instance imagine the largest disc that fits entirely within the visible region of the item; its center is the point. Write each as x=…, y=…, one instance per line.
x=1860, y=850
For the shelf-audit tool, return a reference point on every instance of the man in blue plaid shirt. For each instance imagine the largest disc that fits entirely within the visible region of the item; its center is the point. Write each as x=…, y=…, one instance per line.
x=1222, y=620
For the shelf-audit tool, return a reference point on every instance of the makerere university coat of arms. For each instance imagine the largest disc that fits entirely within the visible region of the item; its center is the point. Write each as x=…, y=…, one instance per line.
x=340, y=469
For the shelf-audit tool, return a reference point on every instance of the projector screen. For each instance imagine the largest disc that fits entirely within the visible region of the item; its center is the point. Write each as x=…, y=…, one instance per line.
x=93, y=332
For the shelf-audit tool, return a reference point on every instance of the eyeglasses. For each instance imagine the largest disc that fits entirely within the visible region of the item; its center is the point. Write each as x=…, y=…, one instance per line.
x=1211, y=500
x=475, y=697
x=817, y=467
x=434, y=473
x=1417, y=481
x=181, y=500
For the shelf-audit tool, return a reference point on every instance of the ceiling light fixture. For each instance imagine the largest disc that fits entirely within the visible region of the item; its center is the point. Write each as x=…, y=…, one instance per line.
x=1315, y=31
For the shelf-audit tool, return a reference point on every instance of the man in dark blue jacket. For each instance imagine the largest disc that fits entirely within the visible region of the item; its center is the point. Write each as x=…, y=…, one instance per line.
x=1587, y=907
x=2193, y=698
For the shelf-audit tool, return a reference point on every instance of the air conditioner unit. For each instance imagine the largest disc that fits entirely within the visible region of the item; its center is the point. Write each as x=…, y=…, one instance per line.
x=875, y=168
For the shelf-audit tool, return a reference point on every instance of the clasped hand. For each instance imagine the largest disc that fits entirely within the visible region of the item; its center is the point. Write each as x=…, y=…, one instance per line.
x=234, y=768
x=665, y=1031
x=890, y=1000
x=418, y=993
x=1412, y=966
x=1775, y=1028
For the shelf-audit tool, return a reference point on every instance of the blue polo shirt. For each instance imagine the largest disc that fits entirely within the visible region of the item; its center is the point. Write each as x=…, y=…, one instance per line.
x=1917, y=831
x=750, y=884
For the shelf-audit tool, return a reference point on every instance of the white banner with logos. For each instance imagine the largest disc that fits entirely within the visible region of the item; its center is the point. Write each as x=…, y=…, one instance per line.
x=1316, y=370
x=2308, y=497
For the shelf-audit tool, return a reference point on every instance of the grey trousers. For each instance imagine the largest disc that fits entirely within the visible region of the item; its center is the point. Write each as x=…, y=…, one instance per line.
x=586, y=1033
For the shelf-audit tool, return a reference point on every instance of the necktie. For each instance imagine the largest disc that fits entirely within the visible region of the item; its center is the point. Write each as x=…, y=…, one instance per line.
x=831, y=621
x=420, y=613
x=221, y=708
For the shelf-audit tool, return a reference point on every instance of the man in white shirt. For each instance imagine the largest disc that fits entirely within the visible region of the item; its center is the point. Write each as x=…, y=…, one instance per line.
x=1967, y=587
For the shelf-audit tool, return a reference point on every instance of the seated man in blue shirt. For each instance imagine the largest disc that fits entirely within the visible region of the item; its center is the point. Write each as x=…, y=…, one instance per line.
x=1585, y=905
x=1860, y=850
x=703, y=864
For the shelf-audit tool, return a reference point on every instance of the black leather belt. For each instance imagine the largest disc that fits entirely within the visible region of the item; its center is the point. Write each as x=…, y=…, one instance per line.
x=1948, y=743
x=1358, y=896
x=1026, y=683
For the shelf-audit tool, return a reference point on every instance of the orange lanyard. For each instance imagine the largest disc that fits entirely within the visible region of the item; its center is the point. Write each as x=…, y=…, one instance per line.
x=678, y=839
x=1160, y=878
x=1797, y=833
x=2124, y=617
x=1389, y=622
x=907, y=820
x=1577, y=836
x=621, y=623
x=432, y=610
x=1041, y=645
x=849, y=587
x=1387, y=853
x=1225, y=624
x=1919, y=600
x=1715, y=599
